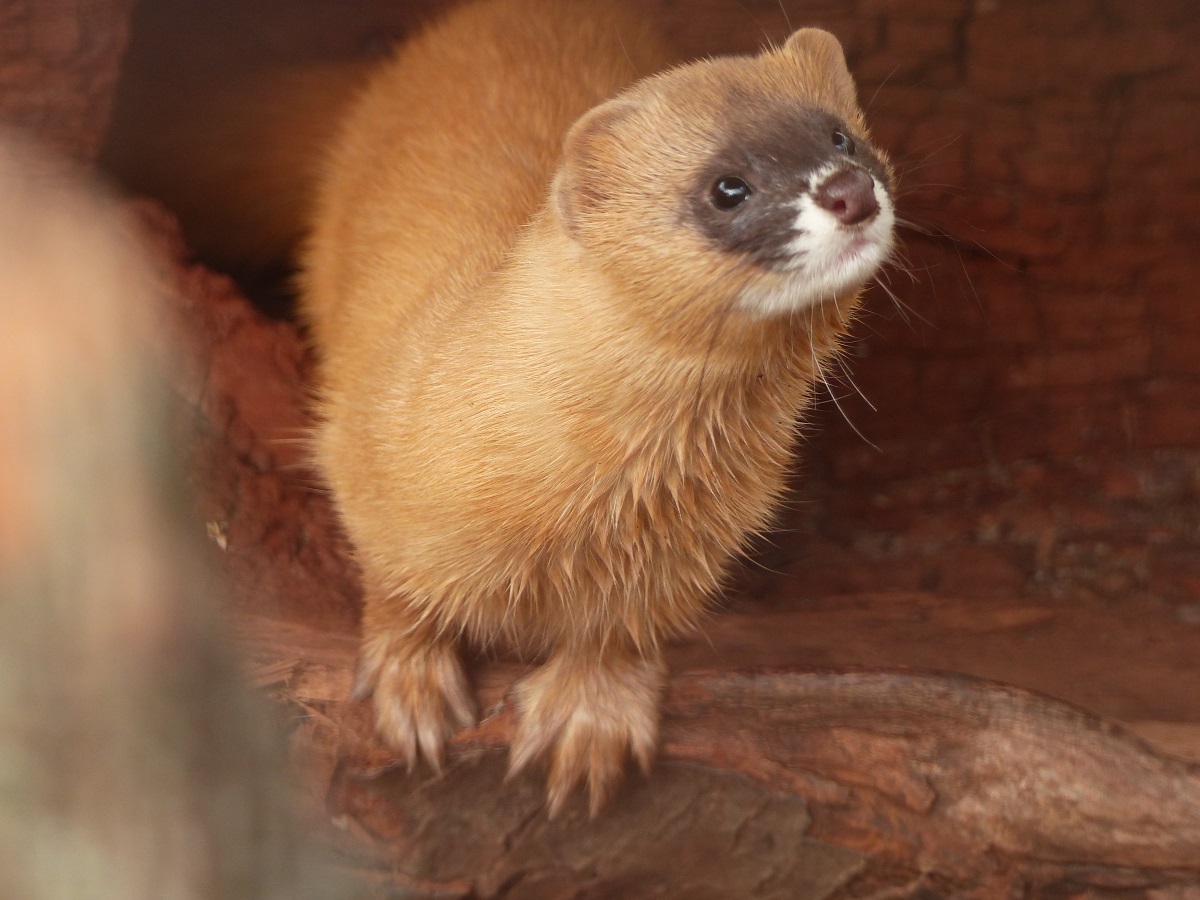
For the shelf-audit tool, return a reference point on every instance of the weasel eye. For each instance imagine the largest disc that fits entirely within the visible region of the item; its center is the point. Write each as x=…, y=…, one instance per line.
x=730, y=192
x=842, y=141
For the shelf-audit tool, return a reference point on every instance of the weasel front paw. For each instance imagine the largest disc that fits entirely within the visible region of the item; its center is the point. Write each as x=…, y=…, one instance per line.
x=421, y=695
x=587, y=715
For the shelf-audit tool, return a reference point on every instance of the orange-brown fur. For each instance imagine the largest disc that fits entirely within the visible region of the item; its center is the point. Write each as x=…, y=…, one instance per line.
x=546, y=418
x=545, y=426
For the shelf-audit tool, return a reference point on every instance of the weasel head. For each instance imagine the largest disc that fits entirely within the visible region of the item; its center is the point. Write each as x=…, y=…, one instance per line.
x=744, y=183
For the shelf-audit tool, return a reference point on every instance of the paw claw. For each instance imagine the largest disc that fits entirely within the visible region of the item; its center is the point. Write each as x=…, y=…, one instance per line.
x=587, y=719
x=421, y=698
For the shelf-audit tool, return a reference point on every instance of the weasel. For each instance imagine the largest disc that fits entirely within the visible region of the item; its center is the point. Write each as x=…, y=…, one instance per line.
x=567, y=321
x=569, y=302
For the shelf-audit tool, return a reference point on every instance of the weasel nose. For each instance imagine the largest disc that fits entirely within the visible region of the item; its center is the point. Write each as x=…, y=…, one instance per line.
x=849, y=195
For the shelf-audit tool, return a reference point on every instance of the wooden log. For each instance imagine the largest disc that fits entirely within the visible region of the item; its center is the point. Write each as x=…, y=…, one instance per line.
x=846, y=774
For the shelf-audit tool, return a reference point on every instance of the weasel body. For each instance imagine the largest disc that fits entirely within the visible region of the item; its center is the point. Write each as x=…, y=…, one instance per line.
x=567, y=322
x=569, y=303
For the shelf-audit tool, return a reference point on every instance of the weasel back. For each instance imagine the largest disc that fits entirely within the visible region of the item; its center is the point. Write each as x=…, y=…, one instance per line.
x=433, y=176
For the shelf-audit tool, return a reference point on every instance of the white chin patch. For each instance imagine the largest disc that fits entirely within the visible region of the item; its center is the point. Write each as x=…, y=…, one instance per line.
x=828, y=260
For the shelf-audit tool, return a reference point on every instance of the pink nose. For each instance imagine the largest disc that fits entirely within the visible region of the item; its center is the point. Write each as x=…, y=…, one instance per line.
x=849, y=195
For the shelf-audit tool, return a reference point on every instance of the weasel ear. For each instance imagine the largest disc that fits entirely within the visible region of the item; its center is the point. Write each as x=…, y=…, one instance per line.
x=822, y=50
x=586, y=174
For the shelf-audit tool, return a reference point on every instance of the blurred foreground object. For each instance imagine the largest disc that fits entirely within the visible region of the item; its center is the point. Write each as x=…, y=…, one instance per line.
x=133, y=761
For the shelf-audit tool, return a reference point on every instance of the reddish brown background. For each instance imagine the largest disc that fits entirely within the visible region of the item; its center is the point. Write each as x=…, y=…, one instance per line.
x=1036, y=418
x=1021, y=501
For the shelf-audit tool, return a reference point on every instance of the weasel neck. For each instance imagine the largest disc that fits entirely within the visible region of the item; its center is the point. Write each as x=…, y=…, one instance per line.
x=639, y=367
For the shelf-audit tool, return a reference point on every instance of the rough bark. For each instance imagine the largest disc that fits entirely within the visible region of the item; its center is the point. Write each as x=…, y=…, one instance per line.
x=59, y=61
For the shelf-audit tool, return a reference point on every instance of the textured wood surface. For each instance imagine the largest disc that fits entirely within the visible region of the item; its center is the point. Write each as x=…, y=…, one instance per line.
x=773, y=783
x=59, y=62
